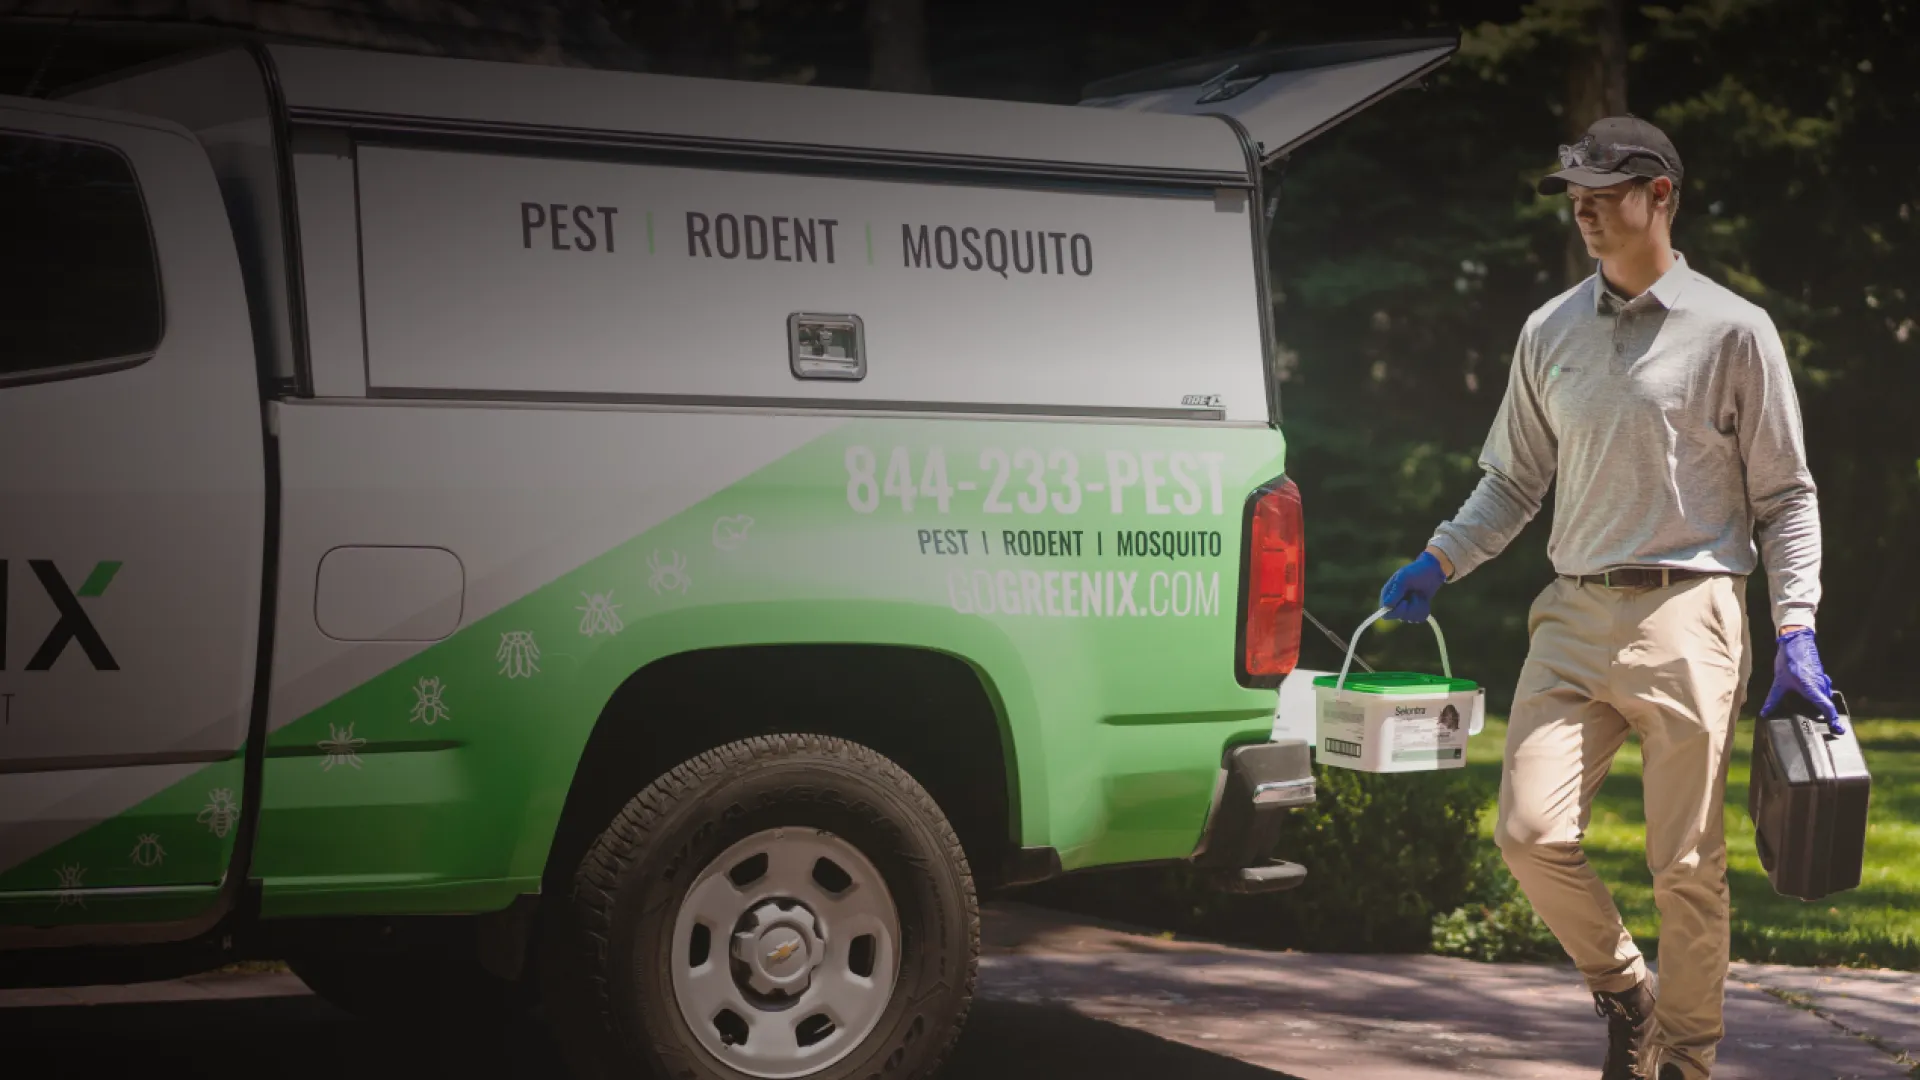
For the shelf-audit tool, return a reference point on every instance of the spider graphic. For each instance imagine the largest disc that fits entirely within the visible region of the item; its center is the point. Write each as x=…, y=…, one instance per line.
x=670, y=576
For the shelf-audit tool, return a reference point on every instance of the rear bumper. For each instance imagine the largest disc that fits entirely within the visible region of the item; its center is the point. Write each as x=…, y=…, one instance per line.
x=1259, y=785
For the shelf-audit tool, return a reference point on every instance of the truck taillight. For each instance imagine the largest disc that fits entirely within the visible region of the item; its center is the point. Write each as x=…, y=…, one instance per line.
x=1275, y=585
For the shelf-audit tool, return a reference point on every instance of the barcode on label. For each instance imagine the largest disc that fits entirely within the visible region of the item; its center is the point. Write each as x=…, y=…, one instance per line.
x=1343, y=748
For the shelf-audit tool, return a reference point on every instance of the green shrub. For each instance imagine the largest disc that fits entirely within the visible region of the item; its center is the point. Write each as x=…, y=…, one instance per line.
x=1386, y=856
x=1497, y=924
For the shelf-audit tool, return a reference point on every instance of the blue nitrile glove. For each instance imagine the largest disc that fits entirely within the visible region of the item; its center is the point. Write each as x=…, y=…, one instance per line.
x=1409, y=592
x=1797, y=670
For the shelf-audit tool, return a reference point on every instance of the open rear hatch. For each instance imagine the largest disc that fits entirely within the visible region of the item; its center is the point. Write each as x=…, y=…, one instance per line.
x=1283, y=95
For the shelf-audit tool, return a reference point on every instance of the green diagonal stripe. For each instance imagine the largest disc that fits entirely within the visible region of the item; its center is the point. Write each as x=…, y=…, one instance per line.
x=101, y=577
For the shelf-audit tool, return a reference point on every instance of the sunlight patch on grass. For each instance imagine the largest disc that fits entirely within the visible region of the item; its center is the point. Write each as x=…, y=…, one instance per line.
x=1876, y=924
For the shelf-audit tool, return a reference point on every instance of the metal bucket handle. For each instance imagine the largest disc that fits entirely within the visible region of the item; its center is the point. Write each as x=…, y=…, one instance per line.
x=1446, y=666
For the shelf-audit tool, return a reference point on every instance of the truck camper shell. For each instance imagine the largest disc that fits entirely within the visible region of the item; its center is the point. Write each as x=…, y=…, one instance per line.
x=416, y=225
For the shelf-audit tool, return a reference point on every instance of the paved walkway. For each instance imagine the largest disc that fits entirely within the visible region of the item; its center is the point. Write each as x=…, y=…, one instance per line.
x=1316, y=1016
x=1061, y=998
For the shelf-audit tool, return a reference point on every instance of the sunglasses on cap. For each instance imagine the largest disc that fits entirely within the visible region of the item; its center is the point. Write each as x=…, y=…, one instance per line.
x=1590, y=154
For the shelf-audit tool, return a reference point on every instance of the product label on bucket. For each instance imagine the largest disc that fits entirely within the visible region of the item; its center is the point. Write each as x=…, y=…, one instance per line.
x=1422, y=733
x=1394, y=732
x=1342, y=727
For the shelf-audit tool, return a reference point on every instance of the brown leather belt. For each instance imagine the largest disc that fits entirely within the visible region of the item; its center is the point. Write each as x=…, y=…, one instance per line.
x=1639, y=578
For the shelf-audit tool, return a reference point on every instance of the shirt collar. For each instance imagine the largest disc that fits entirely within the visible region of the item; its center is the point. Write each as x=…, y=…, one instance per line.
x=1665, y=292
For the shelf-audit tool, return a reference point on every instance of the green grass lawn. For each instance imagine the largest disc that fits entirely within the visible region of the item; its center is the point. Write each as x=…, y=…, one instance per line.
x=1876, y=924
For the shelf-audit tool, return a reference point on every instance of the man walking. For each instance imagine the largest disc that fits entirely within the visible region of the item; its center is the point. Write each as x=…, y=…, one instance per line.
x=1662, y=405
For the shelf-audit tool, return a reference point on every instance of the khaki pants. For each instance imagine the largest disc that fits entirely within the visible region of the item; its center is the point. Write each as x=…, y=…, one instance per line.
x=1670, y=665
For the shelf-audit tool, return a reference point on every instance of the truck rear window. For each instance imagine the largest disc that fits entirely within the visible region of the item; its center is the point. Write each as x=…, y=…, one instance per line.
x=79, y=282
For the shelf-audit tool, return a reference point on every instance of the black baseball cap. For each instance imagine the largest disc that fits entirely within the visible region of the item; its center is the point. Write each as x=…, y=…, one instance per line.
x=1614, y=150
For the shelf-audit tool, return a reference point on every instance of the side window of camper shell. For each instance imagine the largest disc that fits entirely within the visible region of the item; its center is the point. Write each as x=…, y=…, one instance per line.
x=79, y=280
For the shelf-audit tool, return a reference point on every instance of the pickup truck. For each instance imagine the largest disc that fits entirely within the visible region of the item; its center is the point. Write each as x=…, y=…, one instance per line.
x=656, y=547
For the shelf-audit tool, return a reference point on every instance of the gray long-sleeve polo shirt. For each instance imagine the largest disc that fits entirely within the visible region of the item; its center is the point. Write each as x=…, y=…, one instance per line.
x=1672, y=428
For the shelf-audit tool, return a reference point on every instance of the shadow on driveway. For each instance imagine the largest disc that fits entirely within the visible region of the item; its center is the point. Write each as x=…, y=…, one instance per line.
x=304, y=1038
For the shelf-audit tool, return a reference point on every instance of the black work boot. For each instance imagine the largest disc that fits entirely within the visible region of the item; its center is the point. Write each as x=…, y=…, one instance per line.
x=1629, y=1016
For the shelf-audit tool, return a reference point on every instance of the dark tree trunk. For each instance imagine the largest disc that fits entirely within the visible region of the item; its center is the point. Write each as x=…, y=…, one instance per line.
x=1596, y=88
x=897, y=45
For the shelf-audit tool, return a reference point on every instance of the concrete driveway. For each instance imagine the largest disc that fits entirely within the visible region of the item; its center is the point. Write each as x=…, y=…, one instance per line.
x=1061, y=998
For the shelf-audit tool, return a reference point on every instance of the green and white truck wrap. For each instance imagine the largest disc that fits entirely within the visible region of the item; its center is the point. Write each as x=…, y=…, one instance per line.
x=659, y=546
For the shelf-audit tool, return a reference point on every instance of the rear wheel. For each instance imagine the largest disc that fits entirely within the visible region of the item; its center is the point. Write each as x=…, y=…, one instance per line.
x=781, y=907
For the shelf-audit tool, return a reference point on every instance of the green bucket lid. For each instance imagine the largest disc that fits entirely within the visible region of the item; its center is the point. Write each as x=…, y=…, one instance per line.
x=1398, y=682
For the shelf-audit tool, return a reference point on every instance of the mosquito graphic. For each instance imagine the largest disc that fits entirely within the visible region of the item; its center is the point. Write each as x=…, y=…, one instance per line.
x=341, y=748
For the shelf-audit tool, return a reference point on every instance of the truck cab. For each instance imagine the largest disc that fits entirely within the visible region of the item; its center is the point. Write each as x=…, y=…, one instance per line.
x=663, y=546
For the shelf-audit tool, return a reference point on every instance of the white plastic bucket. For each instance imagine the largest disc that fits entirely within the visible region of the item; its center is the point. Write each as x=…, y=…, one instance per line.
x=1395, y=721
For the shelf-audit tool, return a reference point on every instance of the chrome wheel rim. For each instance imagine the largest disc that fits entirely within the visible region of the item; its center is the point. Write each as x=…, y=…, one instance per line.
x=785, y=953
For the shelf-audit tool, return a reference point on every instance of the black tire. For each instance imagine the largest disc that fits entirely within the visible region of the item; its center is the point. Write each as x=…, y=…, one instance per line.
x=610, y=992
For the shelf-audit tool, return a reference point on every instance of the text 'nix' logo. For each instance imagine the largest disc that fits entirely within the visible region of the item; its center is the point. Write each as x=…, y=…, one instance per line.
x=73, y=626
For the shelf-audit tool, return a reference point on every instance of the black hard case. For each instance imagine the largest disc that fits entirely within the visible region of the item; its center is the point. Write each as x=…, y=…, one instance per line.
x=1808, y=800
